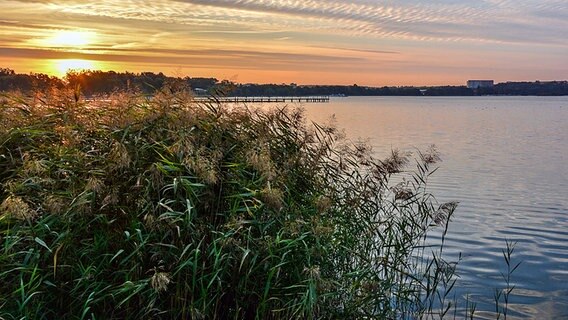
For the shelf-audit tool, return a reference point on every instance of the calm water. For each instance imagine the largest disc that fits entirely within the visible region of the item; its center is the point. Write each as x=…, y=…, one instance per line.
x=505, y=159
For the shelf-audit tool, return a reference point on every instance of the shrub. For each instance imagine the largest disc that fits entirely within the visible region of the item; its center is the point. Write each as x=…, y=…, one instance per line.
x=135, y=208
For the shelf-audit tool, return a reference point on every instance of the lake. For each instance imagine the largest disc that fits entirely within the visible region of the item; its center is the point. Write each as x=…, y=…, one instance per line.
x=505, y=159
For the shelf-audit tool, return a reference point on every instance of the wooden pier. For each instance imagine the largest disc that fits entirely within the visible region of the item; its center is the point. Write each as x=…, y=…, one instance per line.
x=316, y=99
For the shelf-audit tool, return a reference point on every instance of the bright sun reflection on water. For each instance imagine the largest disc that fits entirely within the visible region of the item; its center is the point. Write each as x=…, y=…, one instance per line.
x=61, y=67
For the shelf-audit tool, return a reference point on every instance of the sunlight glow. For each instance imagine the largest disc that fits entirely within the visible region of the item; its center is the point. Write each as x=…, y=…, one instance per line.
x=68, y=38
x=61, y=67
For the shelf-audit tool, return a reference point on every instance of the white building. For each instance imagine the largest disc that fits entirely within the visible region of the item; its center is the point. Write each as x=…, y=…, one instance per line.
x=200, y=92
x=476, y=84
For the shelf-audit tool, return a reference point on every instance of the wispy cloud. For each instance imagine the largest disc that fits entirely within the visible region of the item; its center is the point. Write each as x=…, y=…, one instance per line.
x=489, y=20
x=326, y=35
x=242, y=58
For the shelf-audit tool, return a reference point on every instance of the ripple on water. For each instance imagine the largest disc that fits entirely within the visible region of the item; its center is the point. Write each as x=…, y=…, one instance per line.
x=505, y=162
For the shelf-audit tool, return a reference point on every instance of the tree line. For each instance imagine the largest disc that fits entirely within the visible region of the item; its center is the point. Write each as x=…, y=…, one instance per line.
x=94, y=82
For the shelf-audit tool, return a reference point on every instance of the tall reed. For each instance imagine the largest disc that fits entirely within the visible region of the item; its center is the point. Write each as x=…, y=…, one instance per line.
x=136, y=208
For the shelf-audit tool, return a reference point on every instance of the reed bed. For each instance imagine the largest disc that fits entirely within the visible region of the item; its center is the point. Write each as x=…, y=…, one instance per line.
x=131, y=207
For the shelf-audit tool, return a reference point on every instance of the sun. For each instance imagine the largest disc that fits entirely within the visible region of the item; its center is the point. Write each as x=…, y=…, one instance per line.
x=70, y=38
x=63, y=66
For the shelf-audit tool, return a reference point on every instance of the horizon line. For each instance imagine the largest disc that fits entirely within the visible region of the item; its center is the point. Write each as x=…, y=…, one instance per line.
x=274, y=83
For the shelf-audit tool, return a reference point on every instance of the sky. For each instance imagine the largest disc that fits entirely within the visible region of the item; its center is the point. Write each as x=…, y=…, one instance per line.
x=364, y=42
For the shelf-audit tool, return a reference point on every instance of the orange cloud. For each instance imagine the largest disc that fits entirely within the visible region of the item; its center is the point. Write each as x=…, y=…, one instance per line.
x=368, y=42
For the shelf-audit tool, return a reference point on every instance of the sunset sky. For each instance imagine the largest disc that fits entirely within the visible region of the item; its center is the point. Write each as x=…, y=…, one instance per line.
x=368, y=42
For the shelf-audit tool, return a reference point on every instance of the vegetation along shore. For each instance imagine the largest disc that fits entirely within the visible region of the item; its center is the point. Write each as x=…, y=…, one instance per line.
x=164, y=208
x=105, y=82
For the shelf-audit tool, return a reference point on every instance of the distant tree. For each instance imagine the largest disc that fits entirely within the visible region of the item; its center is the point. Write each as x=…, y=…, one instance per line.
x=94, y=82
x=6, y=72
x=201, y=83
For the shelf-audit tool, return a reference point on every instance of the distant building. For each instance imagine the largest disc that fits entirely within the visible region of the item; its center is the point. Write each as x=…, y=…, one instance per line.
x=200, y=92
x=476, y=84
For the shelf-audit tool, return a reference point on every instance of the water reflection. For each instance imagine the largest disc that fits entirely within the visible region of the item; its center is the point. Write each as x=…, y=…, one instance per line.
x=505, y=161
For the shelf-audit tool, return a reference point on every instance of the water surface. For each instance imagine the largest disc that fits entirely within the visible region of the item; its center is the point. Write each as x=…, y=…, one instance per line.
x=505, y=159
